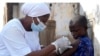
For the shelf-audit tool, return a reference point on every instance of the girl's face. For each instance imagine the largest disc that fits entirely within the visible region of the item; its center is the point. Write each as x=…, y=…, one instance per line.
x=77, y=31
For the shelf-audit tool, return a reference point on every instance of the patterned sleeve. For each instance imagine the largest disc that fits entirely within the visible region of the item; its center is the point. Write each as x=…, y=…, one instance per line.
x=86, y=47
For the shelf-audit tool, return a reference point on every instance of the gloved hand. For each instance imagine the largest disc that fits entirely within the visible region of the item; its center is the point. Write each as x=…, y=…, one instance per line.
x=62, y=43
x=61, y=50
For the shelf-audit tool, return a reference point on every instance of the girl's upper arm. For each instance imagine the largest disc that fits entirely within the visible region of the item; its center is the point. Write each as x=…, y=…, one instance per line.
x=70, y=51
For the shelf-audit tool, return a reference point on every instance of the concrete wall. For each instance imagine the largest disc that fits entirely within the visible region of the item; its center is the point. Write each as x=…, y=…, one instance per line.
x=2, y=5
x=97, y=39
x=96, y=30
x=62, y=13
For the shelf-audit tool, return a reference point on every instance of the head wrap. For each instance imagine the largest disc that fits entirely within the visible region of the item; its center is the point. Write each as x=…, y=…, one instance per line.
x=35, y=9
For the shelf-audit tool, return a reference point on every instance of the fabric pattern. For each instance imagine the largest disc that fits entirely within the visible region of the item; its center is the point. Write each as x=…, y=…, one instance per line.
x=85, y=47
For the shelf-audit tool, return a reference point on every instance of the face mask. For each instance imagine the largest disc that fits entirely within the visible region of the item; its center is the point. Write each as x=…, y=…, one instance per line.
x=41, y=26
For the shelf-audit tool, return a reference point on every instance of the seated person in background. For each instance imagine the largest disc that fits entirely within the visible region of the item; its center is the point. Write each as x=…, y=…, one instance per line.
x=83, y=45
